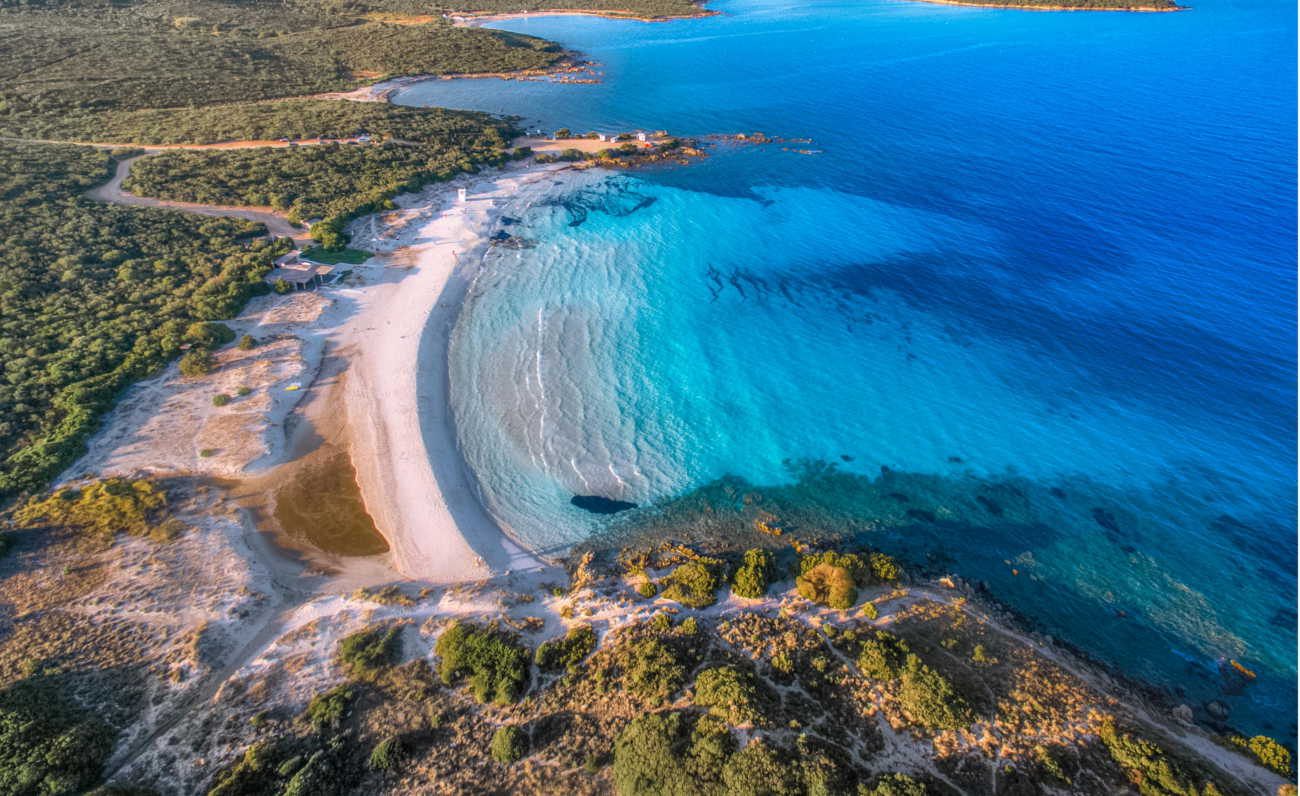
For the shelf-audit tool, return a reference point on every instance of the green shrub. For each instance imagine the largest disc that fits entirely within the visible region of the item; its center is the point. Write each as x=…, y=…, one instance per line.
x=929, y=698
x=568, y=652
x=829, y=585
x=247, y=343
x=49, y=745
x=655, y=673
x=255, y=772
x=1050, y=764
x=757, y=770
x=728, y=693
x=329, y=708
x=493, y=660
x=669, y=754
x=196, y=362
x=242, y=391
x=884, y=568
x=1267, y=751
x=1154, y=771
x=208, y=452
x=209, y=334
x=386, y=754
x=754, y=575
x=366, y=653
x=692, y=584
x=689, y=626
x=220, y=399
x=509, y=744
x=647, y=589
x=870, y=611
x=893, y=785
x=853, y=562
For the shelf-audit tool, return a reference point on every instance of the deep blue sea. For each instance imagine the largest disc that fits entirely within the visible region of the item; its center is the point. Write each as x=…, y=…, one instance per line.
x=1029, y=316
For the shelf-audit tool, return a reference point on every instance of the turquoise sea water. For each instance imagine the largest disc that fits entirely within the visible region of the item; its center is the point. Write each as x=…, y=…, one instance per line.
x=1032, y=308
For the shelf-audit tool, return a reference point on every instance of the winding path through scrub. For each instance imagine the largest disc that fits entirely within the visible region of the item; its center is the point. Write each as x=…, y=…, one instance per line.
x=276, y=224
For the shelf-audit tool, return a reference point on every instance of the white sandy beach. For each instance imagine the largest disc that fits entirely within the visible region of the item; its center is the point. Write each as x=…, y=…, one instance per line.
x=383, y=394
x=413, y=479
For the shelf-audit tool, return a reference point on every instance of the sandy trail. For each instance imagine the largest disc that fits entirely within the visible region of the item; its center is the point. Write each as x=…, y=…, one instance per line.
x=111, y=191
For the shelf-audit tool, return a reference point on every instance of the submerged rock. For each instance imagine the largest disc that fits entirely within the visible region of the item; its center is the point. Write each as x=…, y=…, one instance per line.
x=600, y=505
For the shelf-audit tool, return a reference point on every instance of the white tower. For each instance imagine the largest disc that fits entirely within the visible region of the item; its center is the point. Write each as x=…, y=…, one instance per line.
x=460, y=195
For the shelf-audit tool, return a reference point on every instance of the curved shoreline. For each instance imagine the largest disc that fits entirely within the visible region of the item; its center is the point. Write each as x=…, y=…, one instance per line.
x=413, y=480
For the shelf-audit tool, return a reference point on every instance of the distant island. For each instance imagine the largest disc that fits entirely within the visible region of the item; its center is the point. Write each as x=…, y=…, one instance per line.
x=1068, y=5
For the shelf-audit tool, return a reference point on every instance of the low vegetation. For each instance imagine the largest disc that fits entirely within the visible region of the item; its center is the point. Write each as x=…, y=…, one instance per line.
x=692, y=584
x=104, y=508
x=363, y=655
x=566, y=654
x=1151, y=768
x=493, y=661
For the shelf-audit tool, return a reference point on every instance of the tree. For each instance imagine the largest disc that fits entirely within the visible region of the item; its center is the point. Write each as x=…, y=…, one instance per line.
x=754, y=575
x=508, y=744
x=830, y=585
x=196, y=362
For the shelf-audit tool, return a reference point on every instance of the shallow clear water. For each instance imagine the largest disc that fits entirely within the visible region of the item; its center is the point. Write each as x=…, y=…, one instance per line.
x=1043, y=271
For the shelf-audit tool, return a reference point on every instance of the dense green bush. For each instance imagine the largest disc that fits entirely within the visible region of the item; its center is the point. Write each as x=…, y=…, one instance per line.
x=728, y=693
x=692, y=584
x=671, y=754
x=829, y=585
x=47, y=745
x=1151, y=767
x=509, y=744
x=386, y=754
x=263, y=51
x=331, y=182
x=884, y=568
x=220, y=399
x=247, y=343
x=1267, y=751
x=195, y=363
x=881, y=656
x=329, y=708
x=207, y=333
x=368, y=652
x=754, y=575
x=759, y=770
x=929, y=698
x=655, y=672
x=493, y=660
x=647, y=589
x=568, y=652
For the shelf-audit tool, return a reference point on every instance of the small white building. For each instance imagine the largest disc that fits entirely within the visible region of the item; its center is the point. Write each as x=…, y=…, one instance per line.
x=603, y=137
x=642, y=137
x=461, y=194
